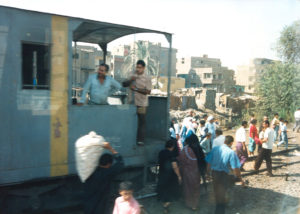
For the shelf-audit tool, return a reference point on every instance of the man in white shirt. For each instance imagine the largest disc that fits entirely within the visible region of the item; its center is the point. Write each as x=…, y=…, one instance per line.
x=297, y=120
x=220, y=138
x=266, y=151
x=241, y=149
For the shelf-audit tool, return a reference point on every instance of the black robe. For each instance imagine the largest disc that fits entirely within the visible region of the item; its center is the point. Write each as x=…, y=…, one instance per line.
x=97, y=187
x=167, y=186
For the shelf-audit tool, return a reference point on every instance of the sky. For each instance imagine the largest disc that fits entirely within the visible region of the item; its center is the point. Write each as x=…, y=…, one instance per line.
x=233, y=30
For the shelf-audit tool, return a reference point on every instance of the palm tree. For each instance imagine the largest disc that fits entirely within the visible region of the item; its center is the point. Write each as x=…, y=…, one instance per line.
x=140, y=51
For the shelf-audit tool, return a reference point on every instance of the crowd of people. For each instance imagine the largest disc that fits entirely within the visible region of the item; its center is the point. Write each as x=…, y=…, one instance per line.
x=204, y=152
x=197, y=151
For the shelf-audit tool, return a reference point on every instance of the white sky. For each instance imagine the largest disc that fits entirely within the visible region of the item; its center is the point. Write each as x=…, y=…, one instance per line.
x=233, y=30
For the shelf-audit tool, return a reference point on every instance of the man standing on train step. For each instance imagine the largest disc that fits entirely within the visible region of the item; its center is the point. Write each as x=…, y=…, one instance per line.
x=140, y=84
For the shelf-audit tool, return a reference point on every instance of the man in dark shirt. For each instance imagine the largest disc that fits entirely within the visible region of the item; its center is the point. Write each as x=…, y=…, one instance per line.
x=97, y=186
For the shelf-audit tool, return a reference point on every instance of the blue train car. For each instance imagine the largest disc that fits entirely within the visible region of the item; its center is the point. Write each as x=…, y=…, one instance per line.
x=39, y=123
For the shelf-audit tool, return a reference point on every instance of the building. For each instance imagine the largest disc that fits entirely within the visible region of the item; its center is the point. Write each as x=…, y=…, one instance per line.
x=117, y=62
x=155, y=56
x=161, y=83
x=246, y=74
x=192, y=80
x=206, y=72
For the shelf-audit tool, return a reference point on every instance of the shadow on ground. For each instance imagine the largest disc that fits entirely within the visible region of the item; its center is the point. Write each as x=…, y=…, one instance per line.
x=244, y=201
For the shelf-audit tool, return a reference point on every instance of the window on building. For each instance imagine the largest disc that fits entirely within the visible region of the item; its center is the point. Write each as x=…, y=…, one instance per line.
x=207, y=76
x=214, y=77
x=220, y=76
x=35, y=66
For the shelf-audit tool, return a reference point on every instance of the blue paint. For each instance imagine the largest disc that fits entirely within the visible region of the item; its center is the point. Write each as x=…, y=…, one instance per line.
x=24, y=137
x=25, y=114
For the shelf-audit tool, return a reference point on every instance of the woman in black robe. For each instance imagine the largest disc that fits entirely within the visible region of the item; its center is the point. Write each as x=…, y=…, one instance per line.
x=169, y=176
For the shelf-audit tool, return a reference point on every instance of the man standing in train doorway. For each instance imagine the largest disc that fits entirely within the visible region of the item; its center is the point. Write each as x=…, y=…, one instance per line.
x=100, y=86
x=140, y=84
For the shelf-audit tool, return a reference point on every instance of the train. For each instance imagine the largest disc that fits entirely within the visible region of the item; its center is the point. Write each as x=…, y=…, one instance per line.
x=40, y=123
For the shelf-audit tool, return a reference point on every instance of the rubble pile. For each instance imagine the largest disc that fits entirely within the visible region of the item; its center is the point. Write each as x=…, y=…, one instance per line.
x=196, y=98
x=237, y=104
x=180, y=115
x=225, y=107
x=234, y=104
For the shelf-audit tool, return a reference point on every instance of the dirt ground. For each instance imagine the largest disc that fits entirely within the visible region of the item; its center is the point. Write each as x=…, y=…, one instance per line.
x=278, y=194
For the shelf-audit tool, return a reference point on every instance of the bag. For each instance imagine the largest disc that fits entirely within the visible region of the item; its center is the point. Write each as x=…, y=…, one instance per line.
x=88, y=150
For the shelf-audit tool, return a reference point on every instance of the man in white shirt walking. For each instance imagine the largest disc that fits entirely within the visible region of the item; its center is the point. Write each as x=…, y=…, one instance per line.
x=241, y=149
x=297, y=120
x=266, y=151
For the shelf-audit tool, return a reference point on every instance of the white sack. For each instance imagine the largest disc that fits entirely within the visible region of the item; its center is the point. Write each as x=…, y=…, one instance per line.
x=89, y=148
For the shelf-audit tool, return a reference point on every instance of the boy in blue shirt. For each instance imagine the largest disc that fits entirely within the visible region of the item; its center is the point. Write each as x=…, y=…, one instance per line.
x=283, y=135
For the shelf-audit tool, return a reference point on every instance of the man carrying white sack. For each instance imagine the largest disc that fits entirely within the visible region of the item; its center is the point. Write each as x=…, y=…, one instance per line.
x=96, y=171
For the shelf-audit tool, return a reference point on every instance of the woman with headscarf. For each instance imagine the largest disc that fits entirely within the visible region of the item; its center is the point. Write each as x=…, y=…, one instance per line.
x=192, y=165
x=169, y=176
x=186, y=127
x=174, y=129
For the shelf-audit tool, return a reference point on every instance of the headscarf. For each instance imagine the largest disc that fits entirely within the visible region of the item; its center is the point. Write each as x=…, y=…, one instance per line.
x=187, y=122
x=193, y=142
x=186, y=125
x=210, y=118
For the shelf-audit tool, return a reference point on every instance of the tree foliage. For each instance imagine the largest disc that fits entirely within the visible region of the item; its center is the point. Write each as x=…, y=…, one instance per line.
x=288, y=45
x=278, y=89
x=278, y=86
x=141, y=50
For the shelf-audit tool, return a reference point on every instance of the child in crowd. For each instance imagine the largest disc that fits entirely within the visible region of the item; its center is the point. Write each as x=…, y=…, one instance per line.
x=205, y=143
x=253, y=137
x=281, y=123
x=126, y=204
x=273, y=126
x=201, y=132
x=283, y=134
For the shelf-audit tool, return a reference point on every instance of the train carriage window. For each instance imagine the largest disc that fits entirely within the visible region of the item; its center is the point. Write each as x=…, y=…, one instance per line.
x=35, y=66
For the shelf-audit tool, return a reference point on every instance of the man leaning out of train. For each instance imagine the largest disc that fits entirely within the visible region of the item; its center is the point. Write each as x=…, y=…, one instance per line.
x=99, y=86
